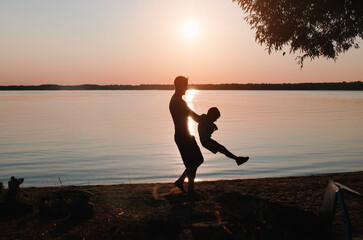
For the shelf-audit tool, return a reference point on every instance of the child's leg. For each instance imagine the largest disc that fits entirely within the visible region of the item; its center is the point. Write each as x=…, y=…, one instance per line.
x=223, y=149
x=239, y=160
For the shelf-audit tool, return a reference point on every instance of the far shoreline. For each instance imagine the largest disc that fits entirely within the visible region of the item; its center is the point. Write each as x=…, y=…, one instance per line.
x=322, y=86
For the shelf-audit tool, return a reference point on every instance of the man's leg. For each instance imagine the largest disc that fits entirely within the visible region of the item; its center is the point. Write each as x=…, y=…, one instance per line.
x=190, y=173
x=196, y=162
x=179, y=183
x=192, y=159
x=191, y=176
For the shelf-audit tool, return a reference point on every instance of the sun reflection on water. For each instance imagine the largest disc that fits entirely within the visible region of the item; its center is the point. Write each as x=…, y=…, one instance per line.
x=189, y=96
x=195, y=180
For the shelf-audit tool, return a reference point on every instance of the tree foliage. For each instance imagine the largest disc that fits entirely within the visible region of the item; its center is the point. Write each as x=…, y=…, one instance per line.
x=314, y=28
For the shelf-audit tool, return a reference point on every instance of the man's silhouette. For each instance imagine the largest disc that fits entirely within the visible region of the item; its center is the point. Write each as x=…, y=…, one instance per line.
x=188, y=147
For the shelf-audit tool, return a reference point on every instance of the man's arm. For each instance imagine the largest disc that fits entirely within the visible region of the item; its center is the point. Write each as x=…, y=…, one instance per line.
x=183, y=107
x=194, y=116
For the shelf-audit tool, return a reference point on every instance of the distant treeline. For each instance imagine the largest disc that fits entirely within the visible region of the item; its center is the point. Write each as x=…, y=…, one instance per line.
x=233, y=86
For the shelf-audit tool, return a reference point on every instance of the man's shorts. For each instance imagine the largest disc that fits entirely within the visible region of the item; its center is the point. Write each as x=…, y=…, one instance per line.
x=189, y=150
x=212, y=145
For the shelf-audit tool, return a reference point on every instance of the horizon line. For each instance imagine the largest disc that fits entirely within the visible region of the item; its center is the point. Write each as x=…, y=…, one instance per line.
x=160, y=84
x=338, y=86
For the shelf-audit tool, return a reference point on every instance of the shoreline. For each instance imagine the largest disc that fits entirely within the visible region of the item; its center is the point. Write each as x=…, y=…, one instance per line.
x=197, y=181
x=129, y=210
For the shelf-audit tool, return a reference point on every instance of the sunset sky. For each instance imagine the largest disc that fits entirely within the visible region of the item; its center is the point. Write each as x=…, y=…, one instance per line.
x=146, y=42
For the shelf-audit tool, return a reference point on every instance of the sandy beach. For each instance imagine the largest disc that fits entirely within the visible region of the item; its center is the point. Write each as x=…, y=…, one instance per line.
x=160, y=211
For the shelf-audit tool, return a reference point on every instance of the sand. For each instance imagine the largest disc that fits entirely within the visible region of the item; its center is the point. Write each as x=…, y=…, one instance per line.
x=264, y=208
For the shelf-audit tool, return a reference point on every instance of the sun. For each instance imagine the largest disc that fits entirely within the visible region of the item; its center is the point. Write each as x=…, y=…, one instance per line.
x=191, y=29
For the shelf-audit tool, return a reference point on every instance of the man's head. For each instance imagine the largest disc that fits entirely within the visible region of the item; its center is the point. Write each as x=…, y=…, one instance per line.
x=213, y=114
x=181, y=84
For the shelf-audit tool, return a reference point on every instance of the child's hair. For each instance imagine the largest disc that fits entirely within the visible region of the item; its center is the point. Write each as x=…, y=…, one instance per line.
x=214, y=111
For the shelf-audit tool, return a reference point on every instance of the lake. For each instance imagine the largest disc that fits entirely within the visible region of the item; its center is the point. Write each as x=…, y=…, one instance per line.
x=103, y=137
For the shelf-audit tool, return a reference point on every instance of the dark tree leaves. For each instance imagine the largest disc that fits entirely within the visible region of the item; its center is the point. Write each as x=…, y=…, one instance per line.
x=313, y=28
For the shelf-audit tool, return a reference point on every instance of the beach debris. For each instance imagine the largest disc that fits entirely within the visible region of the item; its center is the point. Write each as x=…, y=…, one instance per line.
x=211, y=230
x=334, y=193
x=120, y=212
x=218, y=215
x=155, y=193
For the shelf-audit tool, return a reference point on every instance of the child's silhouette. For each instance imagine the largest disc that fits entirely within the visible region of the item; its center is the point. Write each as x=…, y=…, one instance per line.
x=206, y=127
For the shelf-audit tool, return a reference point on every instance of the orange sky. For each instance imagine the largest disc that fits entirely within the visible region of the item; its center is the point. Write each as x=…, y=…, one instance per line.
x=146, y=42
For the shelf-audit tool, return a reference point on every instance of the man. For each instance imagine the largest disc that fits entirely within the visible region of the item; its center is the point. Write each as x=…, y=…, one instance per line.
x=188, y=147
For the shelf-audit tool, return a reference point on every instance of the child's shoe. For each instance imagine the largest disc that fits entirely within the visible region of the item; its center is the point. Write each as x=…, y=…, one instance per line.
x=241, y=160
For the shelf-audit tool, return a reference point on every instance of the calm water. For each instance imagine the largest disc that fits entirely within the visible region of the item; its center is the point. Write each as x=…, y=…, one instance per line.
x=97, y=137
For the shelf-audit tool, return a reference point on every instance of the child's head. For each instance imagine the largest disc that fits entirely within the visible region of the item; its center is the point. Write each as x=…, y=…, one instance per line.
x=213, y=114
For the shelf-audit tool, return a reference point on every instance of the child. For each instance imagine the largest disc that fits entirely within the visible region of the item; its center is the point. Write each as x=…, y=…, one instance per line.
x=206, y=127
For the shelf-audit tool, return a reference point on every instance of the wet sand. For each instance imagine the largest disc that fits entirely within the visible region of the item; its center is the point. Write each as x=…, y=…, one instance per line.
x=144, y=211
